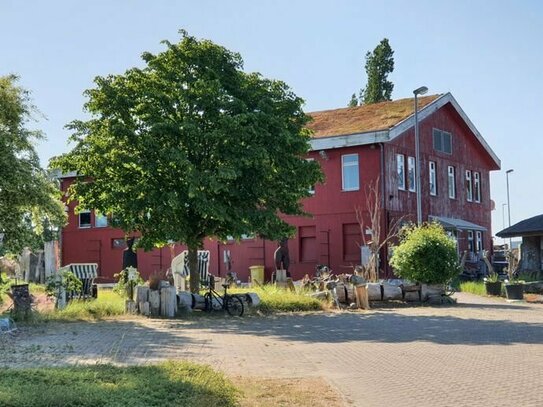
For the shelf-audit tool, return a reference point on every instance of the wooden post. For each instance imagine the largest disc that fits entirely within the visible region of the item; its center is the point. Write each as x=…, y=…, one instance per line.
x=61, y=298
x=362, y=300
x=154, y=302
x=144, y=308
x=142, y=293
x=130, y=307
x=168, y=302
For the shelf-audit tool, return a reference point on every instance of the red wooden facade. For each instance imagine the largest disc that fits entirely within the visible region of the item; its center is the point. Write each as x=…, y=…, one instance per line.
x=332, y=235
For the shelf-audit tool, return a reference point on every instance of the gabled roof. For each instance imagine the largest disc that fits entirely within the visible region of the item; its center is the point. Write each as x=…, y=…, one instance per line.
x=528, y=227
x=381, y=122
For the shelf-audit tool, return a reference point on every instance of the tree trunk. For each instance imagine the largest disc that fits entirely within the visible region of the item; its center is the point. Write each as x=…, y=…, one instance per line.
x=193, y=266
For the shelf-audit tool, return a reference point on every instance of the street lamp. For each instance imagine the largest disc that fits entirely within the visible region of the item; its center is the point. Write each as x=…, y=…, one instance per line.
x=419, y=91
x=508, y=204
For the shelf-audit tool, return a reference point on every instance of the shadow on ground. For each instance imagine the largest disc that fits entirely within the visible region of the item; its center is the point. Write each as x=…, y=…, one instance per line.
x=386, y=326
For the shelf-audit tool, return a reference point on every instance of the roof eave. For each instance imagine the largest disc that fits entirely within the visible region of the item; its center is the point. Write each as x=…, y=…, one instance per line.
x=349, y=140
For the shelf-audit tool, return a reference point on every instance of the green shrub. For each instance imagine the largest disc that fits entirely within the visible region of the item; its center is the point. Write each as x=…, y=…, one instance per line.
x=425, y=254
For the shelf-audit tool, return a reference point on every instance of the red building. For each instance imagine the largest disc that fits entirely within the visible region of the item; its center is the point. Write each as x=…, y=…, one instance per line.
x=354, y=146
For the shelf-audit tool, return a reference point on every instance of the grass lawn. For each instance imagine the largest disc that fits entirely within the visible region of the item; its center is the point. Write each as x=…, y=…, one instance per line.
x=473, y=287
x=274, y=299
x=110, y=304
x=165, y=384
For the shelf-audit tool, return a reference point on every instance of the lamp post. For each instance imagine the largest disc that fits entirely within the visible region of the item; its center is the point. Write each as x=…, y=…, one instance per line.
x=419, y=91
x=508, y=203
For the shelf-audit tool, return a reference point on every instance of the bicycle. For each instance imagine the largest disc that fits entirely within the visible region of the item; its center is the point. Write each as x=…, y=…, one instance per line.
x=227, y=302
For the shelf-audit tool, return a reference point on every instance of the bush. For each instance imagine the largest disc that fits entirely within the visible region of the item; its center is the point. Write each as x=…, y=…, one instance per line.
x=425, y=254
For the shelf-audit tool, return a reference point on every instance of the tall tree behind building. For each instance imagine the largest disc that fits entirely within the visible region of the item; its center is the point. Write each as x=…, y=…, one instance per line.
x=379, y=64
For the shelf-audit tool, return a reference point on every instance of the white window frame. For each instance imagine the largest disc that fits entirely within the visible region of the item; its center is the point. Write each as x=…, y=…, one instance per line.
x=411, y=168
x=470, y=239
x=469, y=187
x=478, y=241
x=84, y=226
x=432, y=177
x=477, y=186
x=451, y=177
x=344, y=166
x=400, y=171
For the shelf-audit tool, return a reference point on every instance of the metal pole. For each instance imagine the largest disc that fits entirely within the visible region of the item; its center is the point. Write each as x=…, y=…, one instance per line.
x=508, y=205
x=503, y=218
x=417, y=165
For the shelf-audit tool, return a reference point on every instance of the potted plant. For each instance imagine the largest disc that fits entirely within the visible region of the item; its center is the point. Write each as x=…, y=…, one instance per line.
x=493, y=285
x=514, y=288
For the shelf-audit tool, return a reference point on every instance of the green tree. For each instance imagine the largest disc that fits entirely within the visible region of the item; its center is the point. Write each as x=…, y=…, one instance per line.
x=354, y=101
x=379, y=64
x=190, y=147
x=29, y=200
x=425, y=254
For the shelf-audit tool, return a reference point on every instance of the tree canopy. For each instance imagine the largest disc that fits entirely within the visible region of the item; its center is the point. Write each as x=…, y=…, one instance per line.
x=379, y=64
x=29, y=200
x=190, y=146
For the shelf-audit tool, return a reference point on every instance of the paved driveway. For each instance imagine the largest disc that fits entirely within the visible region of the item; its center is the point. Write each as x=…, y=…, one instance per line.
x=480, y=352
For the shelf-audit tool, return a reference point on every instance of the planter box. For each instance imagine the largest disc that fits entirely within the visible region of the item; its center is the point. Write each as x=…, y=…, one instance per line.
x=493, y=288
x=514, y=291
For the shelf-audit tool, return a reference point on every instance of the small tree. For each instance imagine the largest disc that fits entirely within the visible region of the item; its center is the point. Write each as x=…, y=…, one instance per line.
x=190, y=146
x=379, y=64
x=378, y=240
x=425, y=254
x=353, y=102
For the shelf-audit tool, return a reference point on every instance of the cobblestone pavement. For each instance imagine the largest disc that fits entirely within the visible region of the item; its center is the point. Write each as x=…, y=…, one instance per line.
x=481, y=352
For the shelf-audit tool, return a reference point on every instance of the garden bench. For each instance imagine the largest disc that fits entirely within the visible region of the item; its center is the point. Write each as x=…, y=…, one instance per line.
x=181, y=270
x=86, y=272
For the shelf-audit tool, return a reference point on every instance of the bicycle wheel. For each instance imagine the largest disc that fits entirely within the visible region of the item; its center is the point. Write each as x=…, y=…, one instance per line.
x=208, y=304
x=234, y=306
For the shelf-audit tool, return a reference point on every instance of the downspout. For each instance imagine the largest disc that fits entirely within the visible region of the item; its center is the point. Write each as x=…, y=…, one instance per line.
x=384, y=206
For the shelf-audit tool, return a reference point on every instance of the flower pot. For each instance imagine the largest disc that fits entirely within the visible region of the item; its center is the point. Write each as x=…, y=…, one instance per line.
x=514, y=291
x=493, y=288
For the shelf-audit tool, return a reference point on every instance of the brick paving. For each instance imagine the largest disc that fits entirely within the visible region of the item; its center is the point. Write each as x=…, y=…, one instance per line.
x=481, y=352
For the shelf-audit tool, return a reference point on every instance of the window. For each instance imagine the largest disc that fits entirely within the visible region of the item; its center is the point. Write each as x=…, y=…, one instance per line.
x=311, y=189
x=349, y=171
x=452, y=182
x=479, y=241
x=352, y=239
x=85, y=219
x=411, y=176
x=308, y=243
x=442, y=141
x=469, y=187
x=477, y=186
x=400, y=166
x=433, y=178
x=100, y=221
x=119, y=243
x=470, y=241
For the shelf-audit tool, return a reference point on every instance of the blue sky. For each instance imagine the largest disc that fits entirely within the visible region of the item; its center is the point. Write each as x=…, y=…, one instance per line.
x=488, y=54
